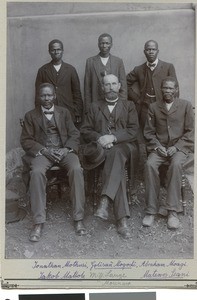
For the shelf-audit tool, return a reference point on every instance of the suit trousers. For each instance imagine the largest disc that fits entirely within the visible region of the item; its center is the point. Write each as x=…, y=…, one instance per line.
x=37, y=186
x=113, y=178
x=173, y=184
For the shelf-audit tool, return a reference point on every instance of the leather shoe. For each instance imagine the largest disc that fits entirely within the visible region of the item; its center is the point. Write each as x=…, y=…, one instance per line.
x=173, y=220
x=80, y=228
x=148, y=220
x=36, y=232
x=102, y=210
x=123, y=229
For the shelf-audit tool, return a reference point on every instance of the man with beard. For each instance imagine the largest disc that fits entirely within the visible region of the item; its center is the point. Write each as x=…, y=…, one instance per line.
x=113, y=124
x=65, y=80
x=169, y=133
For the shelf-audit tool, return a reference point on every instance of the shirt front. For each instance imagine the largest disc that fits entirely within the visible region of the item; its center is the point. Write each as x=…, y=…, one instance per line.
x=152, y=65
x=48, y=112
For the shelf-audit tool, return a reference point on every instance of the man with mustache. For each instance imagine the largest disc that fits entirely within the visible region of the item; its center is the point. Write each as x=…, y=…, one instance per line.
x=169, y=134
x=148, y=76
x=112, y=122
x=49, y=137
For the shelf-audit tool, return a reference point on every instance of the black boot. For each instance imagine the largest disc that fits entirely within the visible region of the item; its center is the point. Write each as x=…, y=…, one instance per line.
x=123, y=228
x=102, y=210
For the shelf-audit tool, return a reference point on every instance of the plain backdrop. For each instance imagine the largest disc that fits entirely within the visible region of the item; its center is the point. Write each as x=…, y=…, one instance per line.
x=31, y=26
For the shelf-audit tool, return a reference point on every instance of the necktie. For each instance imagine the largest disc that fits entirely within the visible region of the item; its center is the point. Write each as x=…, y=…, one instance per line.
x=48, y=112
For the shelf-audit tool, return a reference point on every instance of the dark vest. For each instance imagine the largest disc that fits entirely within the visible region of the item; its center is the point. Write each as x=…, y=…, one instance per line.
x=149, y=87
x=53, y=136
x=111, y=124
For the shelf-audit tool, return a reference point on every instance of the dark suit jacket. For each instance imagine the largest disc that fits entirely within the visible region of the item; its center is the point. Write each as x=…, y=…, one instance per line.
x=125, y=128
x=170, y=128
x=93, y=80
x=139, y=75
x=34, y=136
x=98, y=118
x=67, y=86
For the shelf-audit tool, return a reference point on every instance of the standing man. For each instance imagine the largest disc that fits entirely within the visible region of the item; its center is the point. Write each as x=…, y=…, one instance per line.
x=65, y=80
x=169, y=132
x=100, y=65
x=113, y=123
x=49, y=137
x=148, y=76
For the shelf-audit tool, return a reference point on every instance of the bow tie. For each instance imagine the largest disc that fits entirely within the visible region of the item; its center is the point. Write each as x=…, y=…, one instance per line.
x=48, y=112
x=111, y=103
x=151, y=65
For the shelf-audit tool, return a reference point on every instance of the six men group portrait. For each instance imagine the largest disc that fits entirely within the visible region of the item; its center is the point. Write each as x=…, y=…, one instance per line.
x=112, y=123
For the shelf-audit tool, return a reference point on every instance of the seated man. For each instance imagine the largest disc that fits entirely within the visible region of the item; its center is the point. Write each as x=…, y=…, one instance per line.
x=113, y=123
x=49, y=137
x=169, y=132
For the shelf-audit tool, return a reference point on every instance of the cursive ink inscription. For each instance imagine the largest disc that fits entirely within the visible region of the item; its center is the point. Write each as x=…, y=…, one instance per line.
x=109, y=283
x=179, y=265
x=119, y=265
x=108, y=274
x=112, y=269
x=155, y=274
x=147, y=263
x=75, y=264
x=50, y=265
x=68, y=275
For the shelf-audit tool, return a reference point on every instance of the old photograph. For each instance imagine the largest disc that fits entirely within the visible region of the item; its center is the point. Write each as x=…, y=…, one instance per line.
x=100, y=109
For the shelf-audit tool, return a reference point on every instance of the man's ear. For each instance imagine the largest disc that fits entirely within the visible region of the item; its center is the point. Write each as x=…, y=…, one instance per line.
x=177, y=91
x=119, y=85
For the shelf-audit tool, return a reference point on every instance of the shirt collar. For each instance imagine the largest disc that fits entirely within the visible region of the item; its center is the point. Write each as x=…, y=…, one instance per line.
x=111, y=101
x=45, y=109
x=154, y=62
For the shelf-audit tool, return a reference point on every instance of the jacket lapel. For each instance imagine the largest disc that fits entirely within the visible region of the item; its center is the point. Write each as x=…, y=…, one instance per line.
x=158, y=68
x=104, y=109
x=57, y=114
x=39, y=119
x=96, y=64
x=173, y=108
x=113, y=64
x=119, y=107
x=51, y=73
x=63, y=70
x=163, y=108
x=144, y=76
